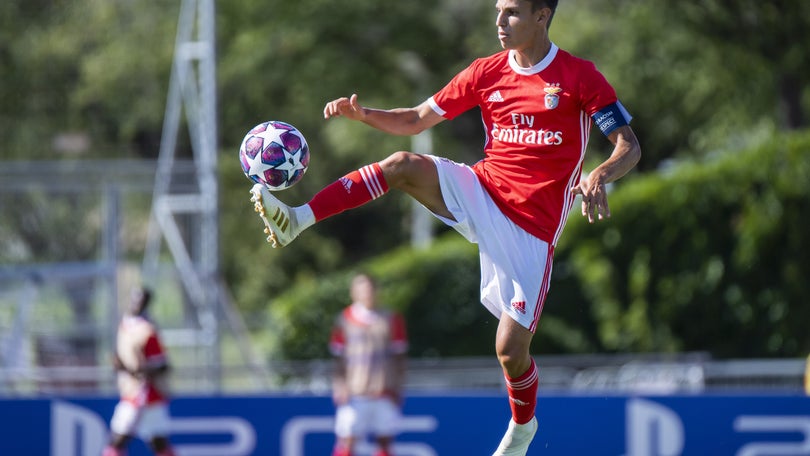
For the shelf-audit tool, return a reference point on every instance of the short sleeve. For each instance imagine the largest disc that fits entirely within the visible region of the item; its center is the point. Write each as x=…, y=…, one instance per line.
x=399, y=335
x=595, y=91
x=153, y=350
x=337, y=340
x=458, y=95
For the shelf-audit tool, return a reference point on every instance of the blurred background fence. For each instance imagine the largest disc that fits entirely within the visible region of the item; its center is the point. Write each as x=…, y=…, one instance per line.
x=58, y=319
x=88, y=222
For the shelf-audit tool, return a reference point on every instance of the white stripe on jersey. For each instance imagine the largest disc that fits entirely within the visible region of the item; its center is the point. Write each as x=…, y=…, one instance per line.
x=584, y=134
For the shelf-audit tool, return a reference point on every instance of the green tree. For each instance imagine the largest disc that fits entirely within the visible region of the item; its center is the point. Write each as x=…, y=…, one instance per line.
x=286, y=66
x=699, y=77
x=696, y=78
x=435, y=289
x=773, y=34
x=94, y=67
x=707, y=256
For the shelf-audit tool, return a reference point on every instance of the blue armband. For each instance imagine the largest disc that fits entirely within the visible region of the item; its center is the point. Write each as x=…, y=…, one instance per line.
x=611, y=117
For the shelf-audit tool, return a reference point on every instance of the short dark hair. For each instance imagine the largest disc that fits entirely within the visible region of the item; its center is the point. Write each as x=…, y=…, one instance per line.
x=147, y=295
x=537, y=4
x=550, y=4
x=141, y=297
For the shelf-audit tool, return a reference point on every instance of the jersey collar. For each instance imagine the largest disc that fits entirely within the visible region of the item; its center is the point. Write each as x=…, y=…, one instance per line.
x=536, y=68
x=362, y=314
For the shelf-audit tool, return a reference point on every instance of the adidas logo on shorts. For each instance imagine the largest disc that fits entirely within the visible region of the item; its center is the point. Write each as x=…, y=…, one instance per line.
x=520, y=306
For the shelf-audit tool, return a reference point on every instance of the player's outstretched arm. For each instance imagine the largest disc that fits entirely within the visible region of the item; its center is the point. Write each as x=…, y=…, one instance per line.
x=626, y=153
x=397, y=121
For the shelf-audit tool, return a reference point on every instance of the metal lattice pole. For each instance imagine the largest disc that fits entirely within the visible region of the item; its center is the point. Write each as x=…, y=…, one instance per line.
x=195, y=251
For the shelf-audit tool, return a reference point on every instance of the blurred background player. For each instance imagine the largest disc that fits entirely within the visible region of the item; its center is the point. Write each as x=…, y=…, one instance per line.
x=369, y=345
x=807, y=376
x=142, y=382
x=538, y=104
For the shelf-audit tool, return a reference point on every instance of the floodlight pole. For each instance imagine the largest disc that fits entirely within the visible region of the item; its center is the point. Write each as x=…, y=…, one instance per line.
x=194, y=248
x=421, y=219
x=413, y=66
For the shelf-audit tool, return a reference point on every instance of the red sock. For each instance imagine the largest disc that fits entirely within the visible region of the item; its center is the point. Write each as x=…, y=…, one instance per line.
x=341, y=450
x=350, y=191
x=523, y=394
x=109, y=450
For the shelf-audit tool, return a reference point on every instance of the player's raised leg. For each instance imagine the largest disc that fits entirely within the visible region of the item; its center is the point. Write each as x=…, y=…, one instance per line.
x=520, y=372
x=414, y=174
x=284, y=223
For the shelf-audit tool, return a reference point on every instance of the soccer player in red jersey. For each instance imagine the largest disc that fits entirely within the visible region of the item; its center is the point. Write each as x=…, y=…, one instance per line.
x=142, y=382
x=370, y=345
x=538, y=103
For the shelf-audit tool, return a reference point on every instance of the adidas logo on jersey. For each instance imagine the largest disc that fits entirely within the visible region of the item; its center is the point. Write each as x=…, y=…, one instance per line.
x=495, y=97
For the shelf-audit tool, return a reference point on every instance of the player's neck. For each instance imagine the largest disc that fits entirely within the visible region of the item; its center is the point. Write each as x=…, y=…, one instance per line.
x=531, y=56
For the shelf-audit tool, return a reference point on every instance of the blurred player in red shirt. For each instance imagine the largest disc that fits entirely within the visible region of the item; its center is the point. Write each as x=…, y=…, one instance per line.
x=370, y=346
x=142, y=382
x=538, y=104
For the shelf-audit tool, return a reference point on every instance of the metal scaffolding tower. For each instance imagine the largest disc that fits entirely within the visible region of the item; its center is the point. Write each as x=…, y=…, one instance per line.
x=193, y=246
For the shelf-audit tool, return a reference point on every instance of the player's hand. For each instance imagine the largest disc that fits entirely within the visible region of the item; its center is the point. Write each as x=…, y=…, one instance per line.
x=346, y=107
x=594, y=199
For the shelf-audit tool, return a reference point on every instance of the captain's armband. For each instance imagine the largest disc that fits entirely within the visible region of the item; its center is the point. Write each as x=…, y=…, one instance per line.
x=611, y=117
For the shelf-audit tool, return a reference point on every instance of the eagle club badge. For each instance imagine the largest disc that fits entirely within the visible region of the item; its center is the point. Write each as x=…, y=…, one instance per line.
x=552, y=99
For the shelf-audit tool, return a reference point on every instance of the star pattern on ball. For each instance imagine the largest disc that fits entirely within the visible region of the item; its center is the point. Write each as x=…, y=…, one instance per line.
x=273, y=135
x=280, y=155
x=292, y=162
x=257, y=166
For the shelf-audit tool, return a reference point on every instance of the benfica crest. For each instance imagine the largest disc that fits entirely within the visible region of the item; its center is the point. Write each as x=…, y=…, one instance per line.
x=552, y=99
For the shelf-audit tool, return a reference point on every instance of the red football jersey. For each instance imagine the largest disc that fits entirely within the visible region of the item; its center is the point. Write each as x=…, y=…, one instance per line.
x=138, y=345
x=367, y=340
x=537, y=123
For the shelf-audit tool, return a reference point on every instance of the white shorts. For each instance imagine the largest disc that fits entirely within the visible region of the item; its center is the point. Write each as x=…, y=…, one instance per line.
x=515, y=265
x=365, y=415
x=145, y=422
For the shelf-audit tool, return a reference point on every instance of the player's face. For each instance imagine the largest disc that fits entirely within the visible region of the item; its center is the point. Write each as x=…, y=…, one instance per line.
x=136, y=302
x=518, y=26
x=362, y=290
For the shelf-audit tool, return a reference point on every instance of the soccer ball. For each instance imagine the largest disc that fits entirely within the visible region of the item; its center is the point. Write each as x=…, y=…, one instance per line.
x=275, y=154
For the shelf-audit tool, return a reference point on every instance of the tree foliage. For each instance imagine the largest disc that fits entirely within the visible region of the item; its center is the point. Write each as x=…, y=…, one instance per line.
x=436, y=290
x=699, y=77
x=92, y=67
x=772, y=35
x=707, y=256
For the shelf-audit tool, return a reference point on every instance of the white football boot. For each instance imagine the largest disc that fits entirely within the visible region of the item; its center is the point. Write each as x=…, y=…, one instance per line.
x=280, y=221
x=517, y=438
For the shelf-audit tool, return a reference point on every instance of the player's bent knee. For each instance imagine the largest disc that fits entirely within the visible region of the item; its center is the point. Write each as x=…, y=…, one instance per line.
x=403, y=170
x=396, y=168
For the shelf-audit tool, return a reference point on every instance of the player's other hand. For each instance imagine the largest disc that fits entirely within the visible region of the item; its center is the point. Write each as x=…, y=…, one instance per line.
x=594, y=199
x=346, y=107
